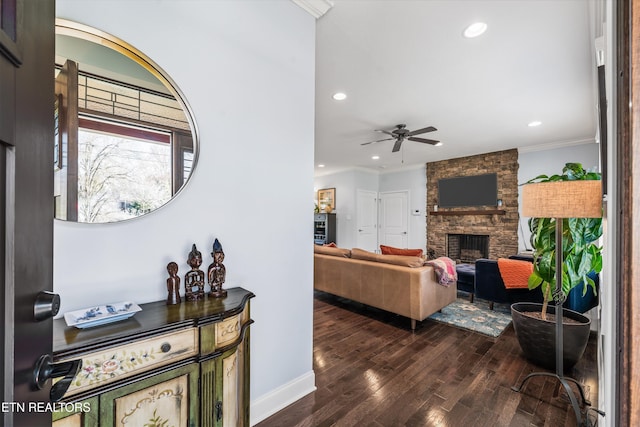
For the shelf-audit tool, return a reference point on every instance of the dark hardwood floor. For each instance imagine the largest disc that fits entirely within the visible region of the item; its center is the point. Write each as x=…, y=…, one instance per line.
x=372, y=370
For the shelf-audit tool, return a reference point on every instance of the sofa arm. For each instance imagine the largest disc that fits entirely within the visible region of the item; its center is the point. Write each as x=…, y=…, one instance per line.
x=522, y=257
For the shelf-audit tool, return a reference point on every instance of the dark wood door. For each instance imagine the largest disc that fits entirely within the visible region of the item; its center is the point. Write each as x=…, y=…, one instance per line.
x=66, y=170
x=26, y=203
x=627, y=208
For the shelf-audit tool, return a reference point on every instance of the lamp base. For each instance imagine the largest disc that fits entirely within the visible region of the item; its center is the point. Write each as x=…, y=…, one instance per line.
x=581, y=421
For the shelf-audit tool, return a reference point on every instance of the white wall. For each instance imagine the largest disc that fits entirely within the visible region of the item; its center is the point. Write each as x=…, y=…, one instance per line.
x=247, y=71
x=346, y=184
x=551, y=162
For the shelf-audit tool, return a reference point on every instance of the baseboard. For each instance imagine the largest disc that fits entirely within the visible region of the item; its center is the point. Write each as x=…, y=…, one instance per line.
x=283, y=396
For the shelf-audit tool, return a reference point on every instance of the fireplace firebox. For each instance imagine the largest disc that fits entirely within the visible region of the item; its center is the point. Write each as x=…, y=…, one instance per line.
x=467, y=248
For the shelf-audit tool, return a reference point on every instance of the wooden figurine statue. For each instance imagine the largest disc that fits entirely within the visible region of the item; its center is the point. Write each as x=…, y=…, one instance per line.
x=173, y=284
x=217, y=271
x=194, y=279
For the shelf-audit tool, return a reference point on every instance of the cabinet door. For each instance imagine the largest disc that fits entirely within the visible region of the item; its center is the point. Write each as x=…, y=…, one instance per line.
x=78, y=414
x=225, y=389
x=166, y=399
x=231, y=387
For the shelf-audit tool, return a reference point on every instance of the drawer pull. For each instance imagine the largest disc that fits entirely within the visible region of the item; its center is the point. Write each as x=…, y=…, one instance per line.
x=165, y=348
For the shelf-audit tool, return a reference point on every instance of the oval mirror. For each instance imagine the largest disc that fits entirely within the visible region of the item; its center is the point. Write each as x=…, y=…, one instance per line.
x=125, y=140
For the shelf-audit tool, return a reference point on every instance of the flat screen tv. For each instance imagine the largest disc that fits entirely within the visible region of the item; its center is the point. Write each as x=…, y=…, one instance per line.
x=476, y=190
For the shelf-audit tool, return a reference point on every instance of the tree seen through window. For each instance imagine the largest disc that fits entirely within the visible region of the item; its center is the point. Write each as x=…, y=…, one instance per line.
x=120, y=177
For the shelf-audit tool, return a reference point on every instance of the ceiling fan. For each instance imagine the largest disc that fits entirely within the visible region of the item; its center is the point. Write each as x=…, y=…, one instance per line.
x=400, y=134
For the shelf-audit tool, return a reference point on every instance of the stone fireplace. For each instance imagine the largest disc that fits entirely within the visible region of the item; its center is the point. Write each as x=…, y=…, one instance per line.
x=499, y=224
x=467, y=248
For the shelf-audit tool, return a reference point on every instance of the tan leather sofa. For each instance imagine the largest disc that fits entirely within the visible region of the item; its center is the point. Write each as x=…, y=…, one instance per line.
x=399, y=284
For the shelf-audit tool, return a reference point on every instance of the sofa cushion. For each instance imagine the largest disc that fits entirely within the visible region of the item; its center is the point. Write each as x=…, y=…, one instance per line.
x=390, y=250
x=330, y=250
x=406, y=261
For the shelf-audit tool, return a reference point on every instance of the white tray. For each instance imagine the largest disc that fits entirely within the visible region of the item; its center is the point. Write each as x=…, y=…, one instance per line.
x=100, y=315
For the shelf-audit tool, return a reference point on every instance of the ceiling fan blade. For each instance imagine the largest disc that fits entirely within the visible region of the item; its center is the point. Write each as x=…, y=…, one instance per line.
x=423, y=140
x=423, y=130
x=386, y=131
x=396, y=146
x=373, y=142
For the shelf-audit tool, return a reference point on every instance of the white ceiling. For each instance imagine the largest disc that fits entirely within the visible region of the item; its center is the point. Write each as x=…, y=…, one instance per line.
x=407, y=62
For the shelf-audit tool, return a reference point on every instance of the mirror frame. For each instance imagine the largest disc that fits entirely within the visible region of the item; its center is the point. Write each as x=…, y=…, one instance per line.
x=94, y=35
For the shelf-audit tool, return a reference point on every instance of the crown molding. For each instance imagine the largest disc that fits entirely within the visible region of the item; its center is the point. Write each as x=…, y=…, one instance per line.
x=403, y=168
x=346, y=170
x=554, y=145
x=316, y=8
x=378, y=172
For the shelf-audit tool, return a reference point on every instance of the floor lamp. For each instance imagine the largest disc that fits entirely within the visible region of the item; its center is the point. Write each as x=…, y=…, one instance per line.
x=559, y=200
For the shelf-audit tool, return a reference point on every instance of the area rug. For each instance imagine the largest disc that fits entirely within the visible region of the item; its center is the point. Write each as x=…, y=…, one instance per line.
x=475, y=316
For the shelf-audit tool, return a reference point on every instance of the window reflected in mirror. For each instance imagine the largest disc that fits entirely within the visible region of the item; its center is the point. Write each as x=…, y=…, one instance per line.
x=120, y=175
x=125, y=141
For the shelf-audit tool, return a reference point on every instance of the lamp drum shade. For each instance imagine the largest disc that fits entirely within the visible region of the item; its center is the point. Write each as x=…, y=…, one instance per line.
x=562, y=199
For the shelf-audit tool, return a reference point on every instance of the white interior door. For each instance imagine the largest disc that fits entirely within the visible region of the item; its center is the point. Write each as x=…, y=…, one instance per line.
x=394, y=219
x=367, y=220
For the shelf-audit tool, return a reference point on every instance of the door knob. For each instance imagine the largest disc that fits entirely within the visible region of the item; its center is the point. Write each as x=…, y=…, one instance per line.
x=46, y=306
x=45, y=369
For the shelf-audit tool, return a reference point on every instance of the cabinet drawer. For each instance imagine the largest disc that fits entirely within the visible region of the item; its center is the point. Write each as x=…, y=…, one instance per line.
x=106, y=366
x=223, y=333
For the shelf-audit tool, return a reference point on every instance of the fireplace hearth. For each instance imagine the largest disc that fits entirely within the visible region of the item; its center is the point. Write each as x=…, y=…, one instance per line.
x=467, y=248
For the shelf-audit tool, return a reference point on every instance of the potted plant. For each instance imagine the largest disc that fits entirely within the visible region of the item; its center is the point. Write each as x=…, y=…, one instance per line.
x=535, y=323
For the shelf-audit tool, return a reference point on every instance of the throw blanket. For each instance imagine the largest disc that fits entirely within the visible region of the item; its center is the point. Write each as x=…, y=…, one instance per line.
x=445, y=270
x=515, y=273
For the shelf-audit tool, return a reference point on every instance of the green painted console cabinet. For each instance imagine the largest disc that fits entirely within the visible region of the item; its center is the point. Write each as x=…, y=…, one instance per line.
x=183, y=365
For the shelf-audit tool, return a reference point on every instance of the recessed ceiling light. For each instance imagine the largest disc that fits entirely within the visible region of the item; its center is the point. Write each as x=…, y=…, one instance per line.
x=438, y=144
x=475, y=29
x=320, y=166
x=375, y=157
x=339, y=96
x=534, y=124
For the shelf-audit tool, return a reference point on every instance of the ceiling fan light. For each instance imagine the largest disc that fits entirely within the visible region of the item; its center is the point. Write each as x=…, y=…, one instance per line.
x=339, y=96
x=474, y=30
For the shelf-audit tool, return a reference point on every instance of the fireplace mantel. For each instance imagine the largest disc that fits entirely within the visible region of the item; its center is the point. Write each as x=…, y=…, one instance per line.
x=470, y=212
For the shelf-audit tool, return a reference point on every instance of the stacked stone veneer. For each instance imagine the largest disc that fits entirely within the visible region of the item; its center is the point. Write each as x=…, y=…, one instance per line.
x=501, y=229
